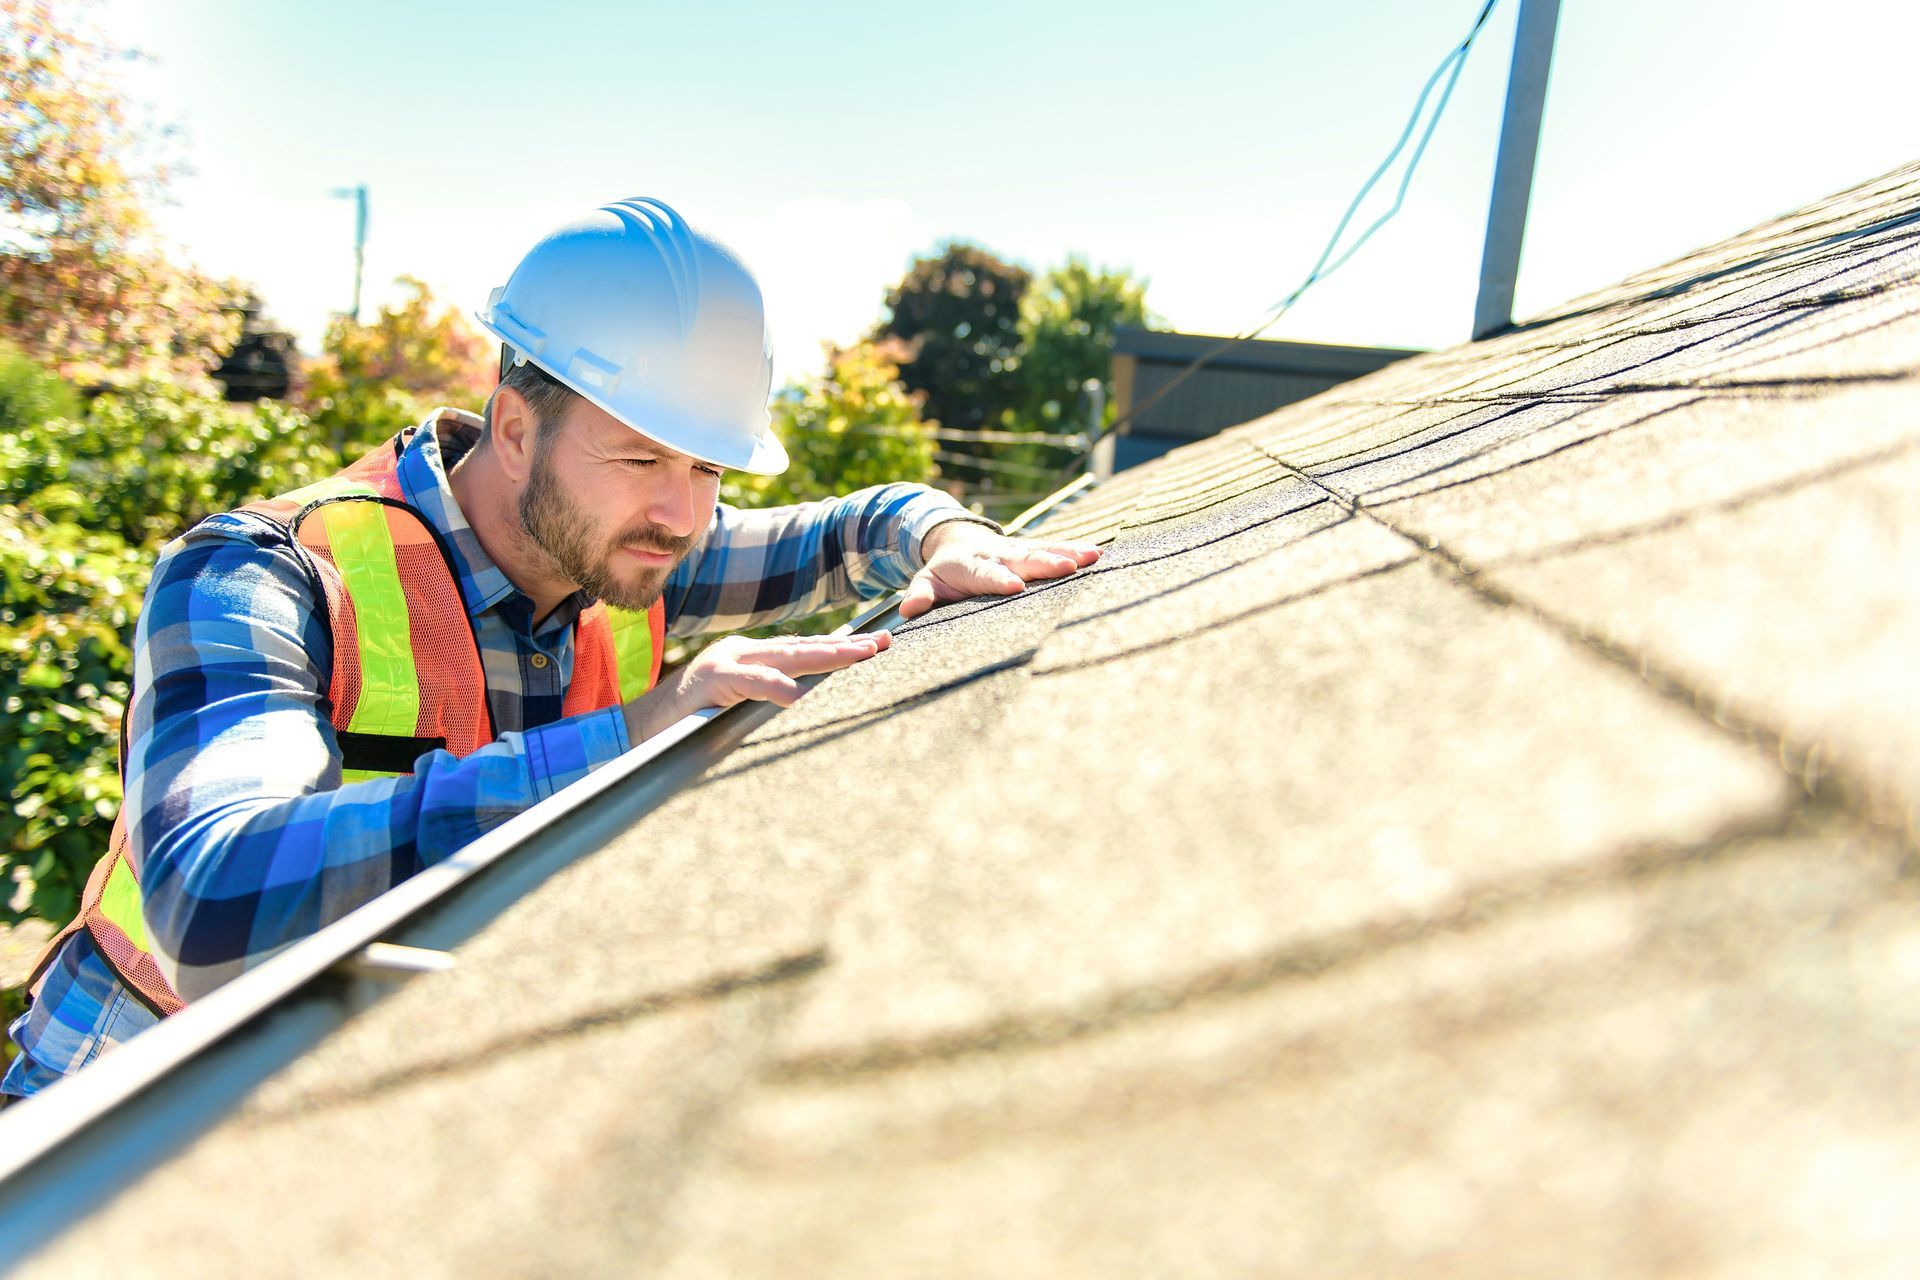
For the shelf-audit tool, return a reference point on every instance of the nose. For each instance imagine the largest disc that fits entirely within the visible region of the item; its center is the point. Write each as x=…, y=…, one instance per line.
x=671, y=503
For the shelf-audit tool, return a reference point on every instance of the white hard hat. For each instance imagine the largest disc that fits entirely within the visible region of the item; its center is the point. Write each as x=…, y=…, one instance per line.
x=656, y=323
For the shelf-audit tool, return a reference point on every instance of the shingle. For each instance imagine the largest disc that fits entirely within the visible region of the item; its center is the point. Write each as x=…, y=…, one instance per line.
x=1798, y=606
x=1634, y=470
x=1702, y=1067
x=1273, y=760
x=729, y=885
x=557, y=1160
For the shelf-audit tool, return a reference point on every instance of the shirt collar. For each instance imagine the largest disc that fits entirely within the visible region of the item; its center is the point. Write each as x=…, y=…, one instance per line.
x=431, y=450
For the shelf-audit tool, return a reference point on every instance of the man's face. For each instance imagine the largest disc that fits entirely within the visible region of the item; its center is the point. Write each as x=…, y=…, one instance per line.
x=612, y=510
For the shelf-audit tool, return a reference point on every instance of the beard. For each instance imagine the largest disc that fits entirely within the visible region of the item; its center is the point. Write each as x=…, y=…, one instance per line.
x=572, y=540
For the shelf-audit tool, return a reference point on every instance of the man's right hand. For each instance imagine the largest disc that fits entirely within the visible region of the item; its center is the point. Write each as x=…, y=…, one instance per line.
x=738, y=669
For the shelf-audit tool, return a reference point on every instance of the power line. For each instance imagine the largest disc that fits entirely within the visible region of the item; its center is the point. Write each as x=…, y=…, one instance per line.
x=992, y=464
x=1076, y=440
x=1450, y=67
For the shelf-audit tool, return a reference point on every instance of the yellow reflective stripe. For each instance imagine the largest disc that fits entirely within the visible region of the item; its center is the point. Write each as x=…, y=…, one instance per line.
x=362, y=775
x=363, y=551
x=632, y=650
x=120, y=904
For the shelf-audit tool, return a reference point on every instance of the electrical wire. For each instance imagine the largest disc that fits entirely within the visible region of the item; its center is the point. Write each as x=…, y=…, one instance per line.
x=1076, y=440
x=993, y=465
x=1450, y=67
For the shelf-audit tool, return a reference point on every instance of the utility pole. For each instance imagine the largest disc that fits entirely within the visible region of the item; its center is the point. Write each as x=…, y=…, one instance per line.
x=1513, y=171
x=358, y=194
x=1100, y=458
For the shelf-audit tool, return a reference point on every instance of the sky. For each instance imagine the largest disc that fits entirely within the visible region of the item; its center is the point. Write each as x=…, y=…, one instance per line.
x=1208, y=146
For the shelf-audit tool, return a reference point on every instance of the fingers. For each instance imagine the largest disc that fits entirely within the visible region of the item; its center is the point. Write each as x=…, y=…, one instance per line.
x=986, y=574
x=1003, y=570
x=813, y=655
x=739, y=669
x=753, y=684
x=1053, y=559
x=1040, y=563
x=919, y=595
x=1081, y=553
x=1020, y=563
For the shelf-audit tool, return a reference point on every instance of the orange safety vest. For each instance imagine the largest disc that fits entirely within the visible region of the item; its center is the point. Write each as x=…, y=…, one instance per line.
x=407, y=675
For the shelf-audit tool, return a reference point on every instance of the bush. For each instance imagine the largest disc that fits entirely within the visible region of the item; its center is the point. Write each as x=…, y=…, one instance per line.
x=147, y=462
x=85, y=502
x=30, y=394
x=379, y=377
x=68, y=602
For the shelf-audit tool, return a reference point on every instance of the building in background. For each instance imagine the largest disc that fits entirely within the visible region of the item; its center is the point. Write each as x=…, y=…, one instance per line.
x=1238, y=385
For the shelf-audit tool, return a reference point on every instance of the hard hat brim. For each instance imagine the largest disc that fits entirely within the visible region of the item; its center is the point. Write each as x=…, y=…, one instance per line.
x=764, y=456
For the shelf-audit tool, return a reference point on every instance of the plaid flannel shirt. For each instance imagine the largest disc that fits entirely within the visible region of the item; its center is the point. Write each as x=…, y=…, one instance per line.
x=245, y=838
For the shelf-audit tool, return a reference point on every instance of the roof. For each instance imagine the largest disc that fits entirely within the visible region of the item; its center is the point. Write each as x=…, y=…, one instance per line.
x=1162, y=346
x=1162, y=403
x=1465, y=824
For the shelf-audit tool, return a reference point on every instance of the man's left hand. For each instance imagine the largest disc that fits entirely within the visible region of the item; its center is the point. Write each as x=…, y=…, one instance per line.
x=965, y=559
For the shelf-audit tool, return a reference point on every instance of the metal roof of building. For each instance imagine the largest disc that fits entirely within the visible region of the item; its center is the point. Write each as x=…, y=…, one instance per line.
x=1465, y=825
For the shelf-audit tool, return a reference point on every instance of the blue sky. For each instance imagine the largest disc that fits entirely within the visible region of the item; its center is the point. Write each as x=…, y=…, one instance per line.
x=1207, y=146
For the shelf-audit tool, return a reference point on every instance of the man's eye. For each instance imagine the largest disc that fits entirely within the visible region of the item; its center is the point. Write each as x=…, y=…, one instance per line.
x=713, y=472
x=639, y=462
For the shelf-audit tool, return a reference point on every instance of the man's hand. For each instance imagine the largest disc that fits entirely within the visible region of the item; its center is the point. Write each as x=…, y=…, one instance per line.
x=966, y=559
x=739, y=669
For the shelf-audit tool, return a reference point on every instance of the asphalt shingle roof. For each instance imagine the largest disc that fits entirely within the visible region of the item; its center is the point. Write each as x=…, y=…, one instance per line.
x=1464, y=826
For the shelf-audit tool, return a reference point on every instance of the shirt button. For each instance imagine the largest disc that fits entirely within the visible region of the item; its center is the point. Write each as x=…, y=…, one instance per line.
x=539, y=662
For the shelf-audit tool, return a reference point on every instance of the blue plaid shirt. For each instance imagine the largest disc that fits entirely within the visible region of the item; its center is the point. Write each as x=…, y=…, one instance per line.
x=246, y=840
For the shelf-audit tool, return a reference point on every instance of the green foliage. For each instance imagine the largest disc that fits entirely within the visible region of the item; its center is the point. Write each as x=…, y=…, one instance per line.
x=29, y=393
x=1067, y=321
x=957, y=317
x=13, y=1003
x=85, y=502
x=68, y=601
x=380, y=377
x=851, y=427
x=987, y=348
x=147, y=462
x=1066, y=338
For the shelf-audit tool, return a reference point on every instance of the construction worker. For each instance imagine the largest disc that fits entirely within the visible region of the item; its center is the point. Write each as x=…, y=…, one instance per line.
x=339, y=687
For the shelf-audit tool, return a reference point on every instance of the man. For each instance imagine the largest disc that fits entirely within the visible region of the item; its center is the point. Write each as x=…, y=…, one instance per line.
x=340, y=687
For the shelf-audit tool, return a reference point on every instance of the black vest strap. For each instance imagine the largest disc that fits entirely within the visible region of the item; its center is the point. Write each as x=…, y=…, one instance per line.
x=379, y=753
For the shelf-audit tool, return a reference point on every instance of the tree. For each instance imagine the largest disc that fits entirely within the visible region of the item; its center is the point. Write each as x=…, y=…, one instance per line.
x=85, y=285
x=958, y=316
x=853, y=426
x=30, y=395
x=1066, y=329
x=376, y=378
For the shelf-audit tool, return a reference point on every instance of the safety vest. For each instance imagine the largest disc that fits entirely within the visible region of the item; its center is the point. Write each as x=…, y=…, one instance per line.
x=407, y=676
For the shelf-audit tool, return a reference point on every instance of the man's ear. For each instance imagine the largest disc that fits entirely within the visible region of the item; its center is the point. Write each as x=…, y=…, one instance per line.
x=514, y=429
